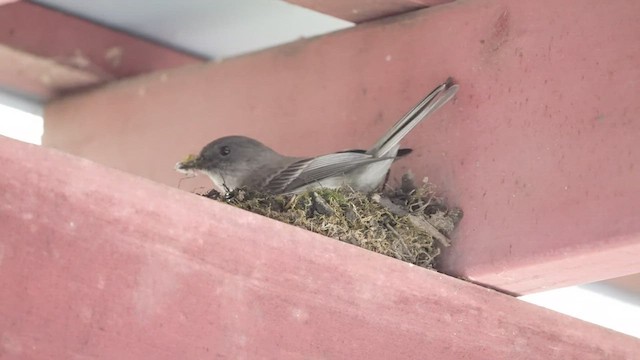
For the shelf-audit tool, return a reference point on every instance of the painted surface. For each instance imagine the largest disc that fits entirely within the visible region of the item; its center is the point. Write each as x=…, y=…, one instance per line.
x=539, y=148
x=96, y=263
x=64, y=53
x=217, y=29
x=359, y=11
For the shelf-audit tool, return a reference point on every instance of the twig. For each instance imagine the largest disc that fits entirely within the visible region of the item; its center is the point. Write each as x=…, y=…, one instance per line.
x=429, y=229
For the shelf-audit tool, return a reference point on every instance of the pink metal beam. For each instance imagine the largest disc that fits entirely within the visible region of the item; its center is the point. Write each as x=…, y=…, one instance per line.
x=540, y=147
x=45, y=52
x=365, y=10
x=99, y=263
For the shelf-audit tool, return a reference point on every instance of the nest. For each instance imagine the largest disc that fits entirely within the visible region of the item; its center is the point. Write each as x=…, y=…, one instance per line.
x=408, y=222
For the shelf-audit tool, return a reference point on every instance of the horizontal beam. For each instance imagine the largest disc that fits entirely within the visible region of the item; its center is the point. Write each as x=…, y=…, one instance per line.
x=45, y=52
x=42, y=78
x=359, y=11
x=96, y=261
x=541, y=154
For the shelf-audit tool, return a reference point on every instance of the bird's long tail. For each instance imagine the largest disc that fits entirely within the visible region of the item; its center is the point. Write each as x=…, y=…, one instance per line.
x=432, y=102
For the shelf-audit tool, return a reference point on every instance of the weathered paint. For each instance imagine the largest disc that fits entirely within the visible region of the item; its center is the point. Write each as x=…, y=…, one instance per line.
x=539, y=148
x=44, y=52
x=96, y=263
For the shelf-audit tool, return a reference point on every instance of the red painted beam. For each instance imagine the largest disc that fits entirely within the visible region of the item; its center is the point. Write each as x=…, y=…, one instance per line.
x=40, y=77
x=96, y=262
x=539, y=149
x=359, y=11
x=45, y=52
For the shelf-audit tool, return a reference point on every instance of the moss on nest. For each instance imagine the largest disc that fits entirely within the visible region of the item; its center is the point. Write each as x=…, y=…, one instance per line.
x=407, y=222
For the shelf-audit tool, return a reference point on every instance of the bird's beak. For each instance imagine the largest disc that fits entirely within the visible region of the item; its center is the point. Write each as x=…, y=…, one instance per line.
x=188, y=165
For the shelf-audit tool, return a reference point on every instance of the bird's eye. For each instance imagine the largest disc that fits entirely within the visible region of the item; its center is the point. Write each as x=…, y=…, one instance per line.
x=224, y=151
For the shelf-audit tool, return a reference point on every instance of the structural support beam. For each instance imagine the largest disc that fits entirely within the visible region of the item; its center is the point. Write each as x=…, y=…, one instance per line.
x=540, y=148
x=44, y=52
x=96, y=262
x=359, y=11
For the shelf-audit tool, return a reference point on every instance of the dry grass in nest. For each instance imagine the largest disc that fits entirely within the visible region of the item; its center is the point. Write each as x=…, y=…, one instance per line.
x=408, y=222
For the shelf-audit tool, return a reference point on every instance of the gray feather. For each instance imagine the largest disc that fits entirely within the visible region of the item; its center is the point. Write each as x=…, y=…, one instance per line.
x=308, y=171
x=432, y=102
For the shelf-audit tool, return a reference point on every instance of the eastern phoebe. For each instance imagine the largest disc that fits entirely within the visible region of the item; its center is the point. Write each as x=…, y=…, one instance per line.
x=241, y=162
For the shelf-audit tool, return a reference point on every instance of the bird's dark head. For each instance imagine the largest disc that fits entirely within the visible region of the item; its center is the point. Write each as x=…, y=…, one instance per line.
x=228, y=161
x=229, y=152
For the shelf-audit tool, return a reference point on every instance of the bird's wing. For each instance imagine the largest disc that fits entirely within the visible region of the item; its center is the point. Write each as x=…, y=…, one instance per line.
x=307, y=171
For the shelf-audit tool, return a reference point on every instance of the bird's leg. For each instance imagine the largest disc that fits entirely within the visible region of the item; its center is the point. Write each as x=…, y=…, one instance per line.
x=386, y=179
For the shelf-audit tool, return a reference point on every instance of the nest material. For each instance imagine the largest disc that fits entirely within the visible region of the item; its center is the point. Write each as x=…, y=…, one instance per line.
x=408, y=223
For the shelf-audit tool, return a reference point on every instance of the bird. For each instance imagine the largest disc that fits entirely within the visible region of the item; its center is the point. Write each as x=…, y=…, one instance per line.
x=234, y=162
